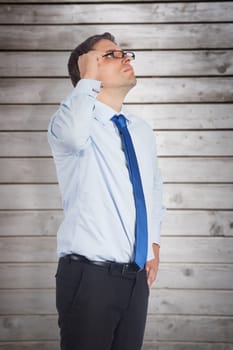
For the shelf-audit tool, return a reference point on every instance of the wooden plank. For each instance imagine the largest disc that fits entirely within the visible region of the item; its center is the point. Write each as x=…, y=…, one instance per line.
x=17, y=328
x=180, y=302
x=169, y=143
x=28, y=302
x=84, y=1
x=161, y=302
x=195, y=169
x=192, y=169
x=30, y=223
x=148, y=36
x=23, y=170
x=171, y=275
x=174, y=249
x=164, y=345
x=177, y=223
x=182, y=90
x=194, y=143
x=27, y=117
x=154, y=90
x=34, y=345
x=30, y=197
x=189, y=328
x=116, y=13
x=176, y=196
x=35, y=275
x=198, y=223
x=159, y=116
x=168, y=328
x=187, y=196
x=147, y=63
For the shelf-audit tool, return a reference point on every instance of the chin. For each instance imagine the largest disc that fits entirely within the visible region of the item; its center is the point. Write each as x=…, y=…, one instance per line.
x=133, y=82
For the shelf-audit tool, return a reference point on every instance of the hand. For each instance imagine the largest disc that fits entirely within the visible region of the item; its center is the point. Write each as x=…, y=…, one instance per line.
x=152, y=267
x=88, y=64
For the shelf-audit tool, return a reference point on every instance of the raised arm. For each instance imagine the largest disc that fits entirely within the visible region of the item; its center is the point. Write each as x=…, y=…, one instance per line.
x=70, y=125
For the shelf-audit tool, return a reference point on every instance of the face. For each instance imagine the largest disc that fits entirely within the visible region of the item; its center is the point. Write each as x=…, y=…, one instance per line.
x=115, y=72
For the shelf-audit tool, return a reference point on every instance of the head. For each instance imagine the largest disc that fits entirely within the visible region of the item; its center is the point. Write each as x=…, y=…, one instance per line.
x=113, y=71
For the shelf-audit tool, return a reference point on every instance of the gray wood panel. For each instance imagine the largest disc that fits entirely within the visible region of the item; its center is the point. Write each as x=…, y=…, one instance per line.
x=186, y=302
x=116, y=13
x=178, y=346
x=159, y=116
x=149, y=36
x=191, y=169
x=174, y=275
x=177, y=223
x=85, y=1
x=184, y=65
x=169, y=143
x=168, y=327
x=175, y=249
x=158, y=63
x=30, y=223
x=161, y=301
x=154, y=90
x=197, y=328
x=176, y=196
x=35, y=345
x=53, y=345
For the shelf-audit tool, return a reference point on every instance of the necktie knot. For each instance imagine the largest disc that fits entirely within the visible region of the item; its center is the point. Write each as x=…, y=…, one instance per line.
x=119, y=120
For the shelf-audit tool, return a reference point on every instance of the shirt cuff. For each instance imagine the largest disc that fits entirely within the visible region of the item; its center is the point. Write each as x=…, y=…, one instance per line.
x=88, y=87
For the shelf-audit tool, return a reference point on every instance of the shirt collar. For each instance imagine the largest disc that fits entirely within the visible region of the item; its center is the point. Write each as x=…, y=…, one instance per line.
x=104, y=113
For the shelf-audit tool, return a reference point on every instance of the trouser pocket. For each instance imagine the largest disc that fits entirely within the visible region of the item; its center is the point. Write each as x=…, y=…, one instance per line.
x=68, y=284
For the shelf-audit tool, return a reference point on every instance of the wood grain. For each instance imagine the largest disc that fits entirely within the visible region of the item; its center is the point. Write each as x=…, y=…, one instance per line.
x=161, y=301
x=116, y=13
x=160, y=116
x=174, y=169
x=168, y=327
x=207, y=223
x=147, y=63
x=154, y=90
x=184, y=66
x=149, y=36
x=169, y=143
x=176, y=196
x=165, y=345
x=170, y=276
x=175, y=249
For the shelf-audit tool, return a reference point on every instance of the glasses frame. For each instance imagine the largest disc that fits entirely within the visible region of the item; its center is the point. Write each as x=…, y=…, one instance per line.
x=123, y=54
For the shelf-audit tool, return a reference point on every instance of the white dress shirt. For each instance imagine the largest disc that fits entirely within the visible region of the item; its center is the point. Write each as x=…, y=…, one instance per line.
x=97, y=194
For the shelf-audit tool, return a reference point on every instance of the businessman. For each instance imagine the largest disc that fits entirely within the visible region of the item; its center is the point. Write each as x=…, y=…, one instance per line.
x=108, y=243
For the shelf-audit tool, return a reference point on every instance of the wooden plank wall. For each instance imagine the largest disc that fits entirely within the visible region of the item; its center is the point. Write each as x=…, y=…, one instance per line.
x=184, y=63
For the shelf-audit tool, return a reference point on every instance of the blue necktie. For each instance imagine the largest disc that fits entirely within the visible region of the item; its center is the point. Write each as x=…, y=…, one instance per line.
x=141, y=217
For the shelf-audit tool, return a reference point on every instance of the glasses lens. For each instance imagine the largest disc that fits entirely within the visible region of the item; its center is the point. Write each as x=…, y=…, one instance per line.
x=118, y=54
x=130, y=54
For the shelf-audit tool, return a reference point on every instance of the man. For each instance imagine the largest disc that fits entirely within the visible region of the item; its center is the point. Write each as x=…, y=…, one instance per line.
x=108, y=243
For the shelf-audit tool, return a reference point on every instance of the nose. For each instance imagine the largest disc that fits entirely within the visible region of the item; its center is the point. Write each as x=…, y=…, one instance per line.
x=126, y=59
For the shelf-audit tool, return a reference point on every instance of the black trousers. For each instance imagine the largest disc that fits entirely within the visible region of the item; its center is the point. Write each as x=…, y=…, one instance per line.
x=99, y=308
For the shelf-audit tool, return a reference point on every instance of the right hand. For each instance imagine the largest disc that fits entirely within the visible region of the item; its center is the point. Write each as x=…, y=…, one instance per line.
x=88, y=64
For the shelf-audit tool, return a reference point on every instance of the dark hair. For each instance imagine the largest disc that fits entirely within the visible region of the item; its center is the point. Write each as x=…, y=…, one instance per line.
x=84, y=47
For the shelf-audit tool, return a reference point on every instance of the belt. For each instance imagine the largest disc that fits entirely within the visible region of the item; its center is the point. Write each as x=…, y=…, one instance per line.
x=122, y=268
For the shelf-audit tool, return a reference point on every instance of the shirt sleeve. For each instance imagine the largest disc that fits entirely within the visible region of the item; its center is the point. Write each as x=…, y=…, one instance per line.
x=159, y=209
x=70, y=125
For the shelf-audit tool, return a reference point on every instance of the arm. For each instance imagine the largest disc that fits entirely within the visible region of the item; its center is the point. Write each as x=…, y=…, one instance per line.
x=71, y=123
x=158, y=216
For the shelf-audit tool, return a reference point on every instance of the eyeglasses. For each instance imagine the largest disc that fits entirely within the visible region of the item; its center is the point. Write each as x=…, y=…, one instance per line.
x=120, y=54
